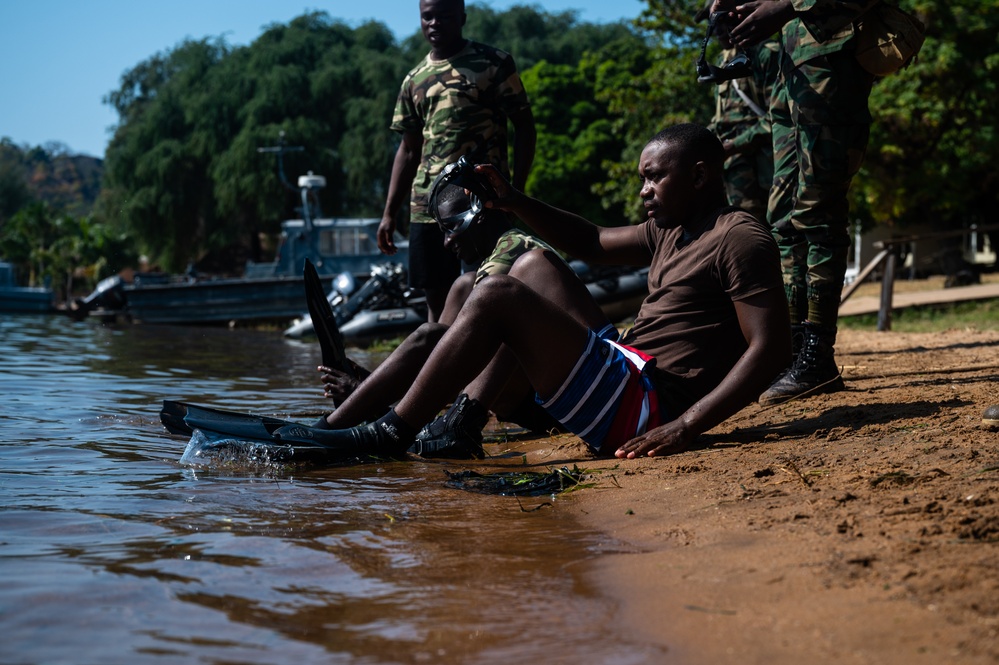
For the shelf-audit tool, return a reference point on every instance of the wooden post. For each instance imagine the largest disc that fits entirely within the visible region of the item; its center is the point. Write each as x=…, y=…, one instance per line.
x=887, y=288
x=864, y=274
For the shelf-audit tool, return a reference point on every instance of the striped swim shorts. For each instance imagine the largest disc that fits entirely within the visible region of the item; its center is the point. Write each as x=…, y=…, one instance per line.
x=606, y=400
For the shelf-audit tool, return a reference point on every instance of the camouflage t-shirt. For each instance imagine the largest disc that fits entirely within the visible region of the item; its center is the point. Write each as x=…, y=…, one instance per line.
x=460, y=105
x=509, y=247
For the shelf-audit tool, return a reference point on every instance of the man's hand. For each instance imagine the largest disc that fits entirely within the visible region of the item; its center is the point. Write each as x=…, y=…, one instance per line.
x=673, y=437
x=337, y=385
x=386, y=236
x=723, y=5
x=506, y=194
x=758, y=20
x=404, y=167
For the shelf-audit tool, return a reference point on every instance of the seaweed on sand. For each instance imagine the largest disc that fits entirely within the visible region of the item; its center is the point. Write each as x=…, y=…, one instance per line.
x=519, y=483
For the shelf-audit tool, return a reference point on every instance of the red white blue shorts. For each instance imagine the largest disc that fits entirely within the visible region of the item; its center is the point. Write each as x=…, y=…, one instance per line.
x=607, y=399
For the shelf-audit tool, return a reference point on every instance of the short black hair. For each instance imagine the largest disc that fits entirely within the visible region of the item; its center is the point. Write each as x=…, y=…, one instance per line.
x=457, y=4
x=694, y=143
x=452, y=199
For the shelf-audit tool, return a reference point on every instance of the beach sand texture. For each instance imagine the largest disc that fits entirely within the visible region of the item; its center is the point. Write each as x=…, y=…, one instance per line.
x=857, y=527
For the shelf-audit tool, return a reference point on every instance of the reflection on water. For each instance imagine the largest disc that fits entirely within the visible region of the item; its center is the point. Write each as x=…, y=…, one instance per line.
x=111, y=551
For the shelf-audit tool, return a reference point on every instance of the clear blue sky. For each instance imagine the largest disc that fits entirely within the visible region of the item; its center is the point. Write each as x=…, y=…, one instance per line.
x=60, y=58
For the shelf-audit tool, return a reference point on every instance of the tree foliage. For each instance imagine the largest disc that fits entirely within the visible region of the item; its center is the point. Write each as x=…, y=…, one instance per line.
x=932, y=155
x=934, y=122
x=648, y=89
x=47, y=246
x=69, y=183
x=183, y=168
x=14, y=192
x=564, y=65
x=183, y=174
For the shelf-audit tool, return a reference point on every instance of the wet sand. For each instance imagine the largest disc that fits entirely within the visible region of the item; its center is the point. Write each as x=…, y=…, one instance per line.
x=858, y=527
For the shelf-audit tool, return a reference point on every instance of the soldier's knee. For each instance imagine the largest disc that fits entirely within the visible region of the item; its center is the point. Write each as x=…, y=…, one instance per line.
x=427, y=335
x=495, y=290
x=463, y=285
x=529, y=261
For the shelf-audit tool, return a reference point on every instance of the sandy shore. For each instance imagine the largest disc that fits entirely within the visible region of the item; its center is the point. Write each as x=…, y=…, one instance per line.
x=858, y=527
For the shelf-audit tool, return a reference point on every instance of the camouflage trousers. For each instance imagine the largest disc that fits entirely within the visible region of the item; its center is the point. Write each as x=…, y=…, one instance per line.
x=821, y=124
x=747, y=181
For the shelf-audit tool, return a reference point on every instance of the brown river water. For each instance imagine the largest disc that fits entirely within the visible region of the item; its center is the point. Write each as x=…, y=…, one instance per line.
x=111, y=551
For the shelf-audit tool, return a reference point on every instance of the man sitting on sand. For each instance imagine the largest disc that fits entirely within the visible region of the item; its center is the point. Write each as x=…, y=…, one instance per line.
x=487, y=238
x=707, y=341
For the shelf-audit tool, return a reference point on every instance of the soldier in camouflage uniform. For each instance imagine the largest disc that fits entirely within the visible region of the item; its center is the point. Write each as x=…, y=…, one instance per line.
x=742, y=123
x=821, y=123
x=456, y=102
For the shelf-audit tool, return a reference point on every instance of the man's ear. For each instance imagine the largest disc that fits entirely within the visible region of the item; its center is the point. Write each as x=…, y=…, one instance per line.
x=700, y=174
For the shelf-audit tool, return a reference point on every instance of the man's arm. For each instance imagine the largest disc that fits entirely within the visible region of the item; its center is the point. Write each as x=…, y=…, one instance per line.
x=567, y=231
x=525, y=138
x=763, y=320
x=407, y=159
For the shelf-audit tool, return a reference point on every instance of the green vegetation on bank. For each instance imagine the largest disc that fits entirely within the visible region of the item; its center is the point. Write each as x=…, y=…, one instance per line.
x=975, y=315
x=182, y=181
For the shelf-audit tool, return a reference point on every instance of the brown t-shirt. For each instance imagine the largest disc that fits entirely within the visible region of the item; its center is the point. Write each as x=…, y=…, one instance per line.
x=688, y=321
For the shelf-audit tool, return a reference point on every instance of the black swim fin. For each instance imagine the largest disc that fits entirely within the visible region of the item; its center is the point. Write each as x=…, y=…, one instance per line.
x=324, y=322
x=183, y=418
x=258, y=436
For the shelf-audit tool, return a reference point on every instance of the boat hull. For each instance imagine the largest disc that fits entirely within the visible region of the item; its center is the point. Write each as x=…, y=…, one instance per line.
x=218, y=301
x=16, y=298
x=26, y=299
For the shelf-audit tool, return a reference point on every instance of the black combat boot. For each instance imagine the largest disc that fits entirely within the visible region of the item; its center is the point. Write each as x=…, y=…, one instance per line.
x=797, y=339
x=457, y=434
x=813, y=370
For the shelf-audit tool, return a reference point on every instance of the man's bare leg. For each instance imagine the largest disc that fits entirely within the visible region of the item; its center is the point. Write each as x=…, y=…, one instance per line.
x=546, y=340
x=456, y=297
x=376, y=394
x=436, y=299
x=503, y=386
x=552, y=278
x=339, y=385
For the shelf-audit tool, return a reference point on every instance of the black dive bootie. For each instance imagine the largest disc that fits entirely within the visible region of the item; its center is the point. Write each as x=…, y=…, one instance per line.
x=389, y=436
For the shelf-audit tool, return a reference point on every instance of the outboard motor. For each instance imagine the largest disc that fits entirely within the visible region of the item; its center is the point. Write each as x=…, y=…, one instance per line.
x=109, y=295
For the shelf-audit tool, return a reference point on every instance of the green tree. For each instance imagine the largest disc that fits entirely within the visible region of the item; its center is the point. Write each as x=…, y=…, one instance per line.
x=69, y=183
x=647, y=89
x=183, y=167
x=564, y=63
x=531, y=35
x=156, y=164
x=73, y=253
x=932, y=155
x=183, y=171
x=576, y=136
x=14, y=192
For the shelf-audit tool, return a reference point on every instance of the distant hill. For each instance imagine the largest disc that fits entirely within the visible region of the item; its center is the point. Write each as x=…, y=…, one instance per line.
x=69, y=183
